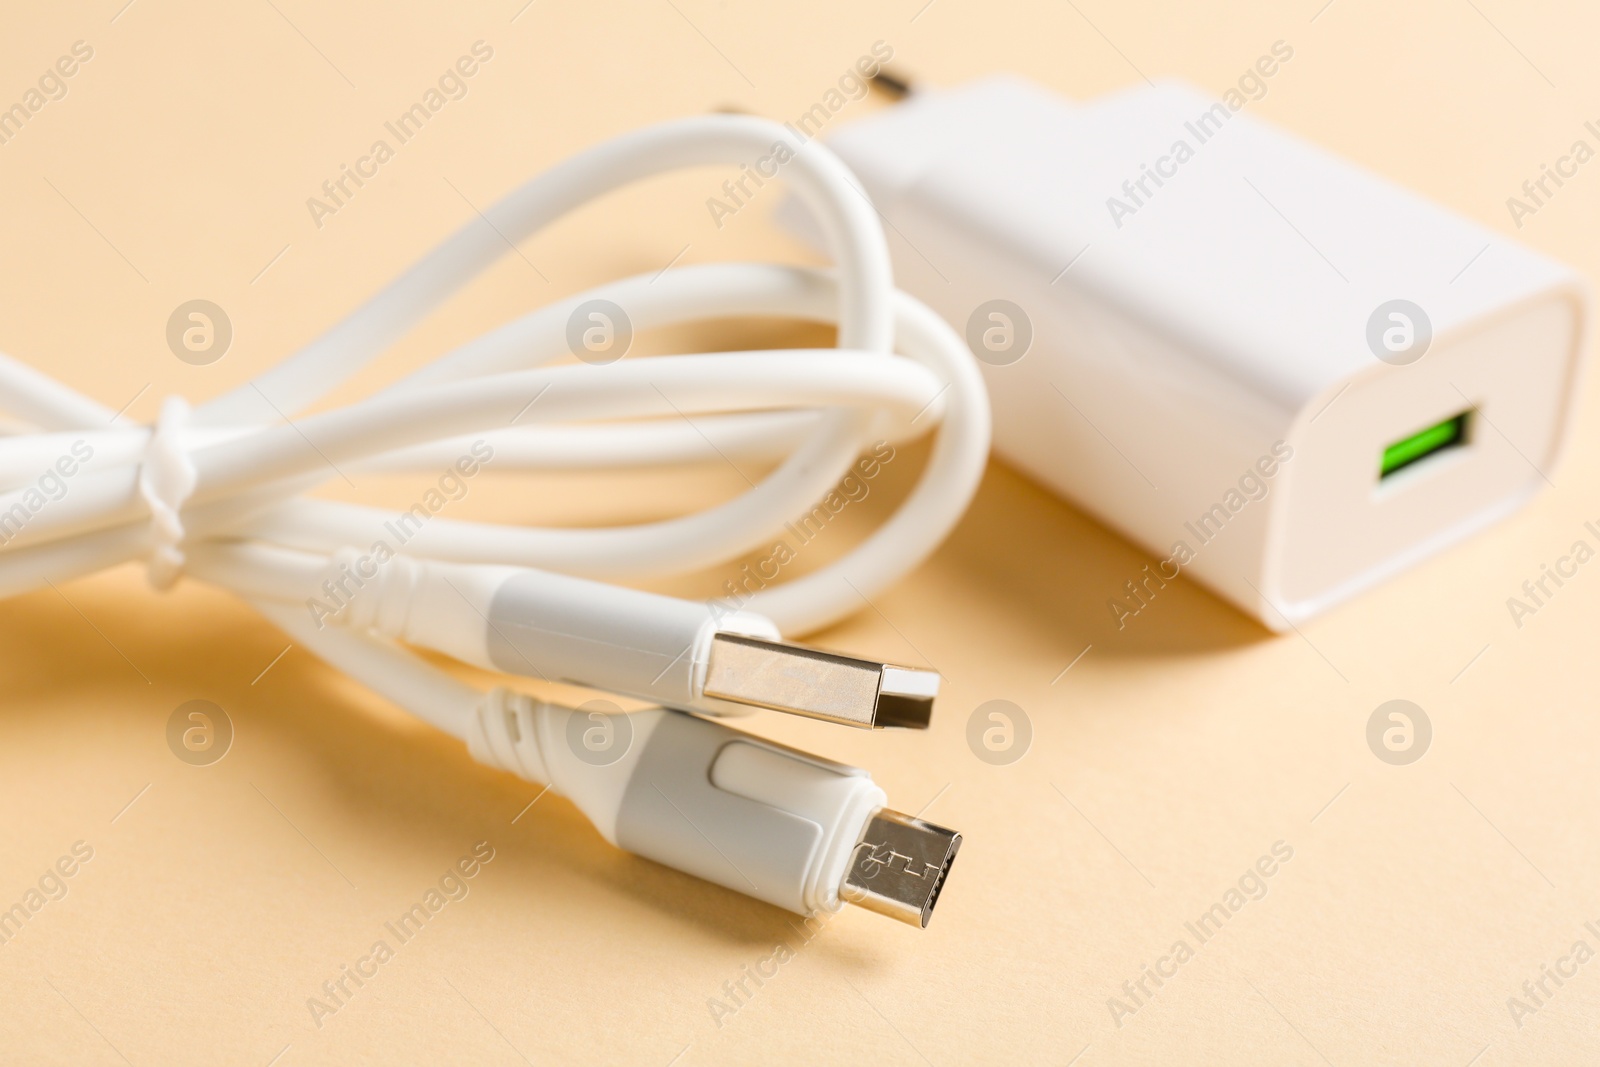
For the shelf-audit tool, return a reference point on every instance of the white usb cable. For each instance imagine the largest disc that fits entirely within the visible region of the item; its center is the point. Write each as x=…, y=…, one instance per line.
x=219, y=493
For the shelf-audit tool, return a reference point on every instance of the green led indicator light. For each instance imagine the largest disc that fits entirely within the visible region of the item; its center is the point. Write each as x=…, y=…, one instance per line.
x=1424, y=443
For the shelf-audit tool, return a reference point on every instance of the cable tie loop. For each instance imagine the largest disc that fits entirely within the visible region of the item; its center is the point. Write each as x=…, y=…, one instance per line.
x=167, y=478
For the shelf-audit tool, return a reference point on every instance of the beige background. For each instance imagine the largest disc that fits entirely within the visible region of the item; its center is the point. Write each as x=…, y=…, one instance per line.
x=1163, y=764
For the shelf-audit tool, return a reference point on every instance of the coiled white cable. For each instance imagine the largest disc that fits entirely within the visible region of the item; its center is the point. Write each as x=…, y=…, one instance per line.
x=219, y=491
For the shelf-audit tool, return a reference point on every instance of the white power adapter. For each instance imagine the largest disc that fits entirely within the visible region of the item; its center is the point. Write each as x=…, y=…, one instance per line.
x=1283, y=375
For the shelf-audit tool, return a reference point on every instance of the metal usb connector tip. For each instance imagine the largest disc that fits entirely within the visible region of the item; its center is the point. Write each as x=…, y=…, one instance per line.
x=819, y=685
x=899, y=866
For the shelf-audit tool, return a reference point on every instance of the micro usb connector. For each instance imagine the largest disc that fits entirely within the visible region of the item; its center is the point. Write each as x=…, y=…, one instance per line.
x=772, y=822
x=899, y=866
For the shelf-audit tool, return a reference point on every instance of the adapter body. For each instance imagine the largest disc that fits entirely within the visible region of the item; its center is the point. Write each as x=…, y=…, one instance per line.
x=1280, y=374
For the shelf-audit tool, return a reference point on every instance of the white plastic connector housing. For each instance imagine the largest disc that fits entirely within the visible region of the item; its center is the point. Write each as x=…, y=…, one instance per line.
x=1200, y=376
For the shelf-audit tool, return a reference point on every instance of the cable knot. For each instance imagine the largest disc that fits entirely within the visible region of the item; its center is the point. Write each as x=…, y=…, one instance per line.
x=167, y=477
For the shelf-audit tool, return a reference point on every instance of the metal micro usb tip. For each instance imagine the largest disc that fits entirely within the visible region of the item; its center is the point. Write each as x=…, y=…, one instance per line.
x=899, y=866
x=819, y=685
